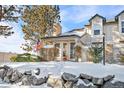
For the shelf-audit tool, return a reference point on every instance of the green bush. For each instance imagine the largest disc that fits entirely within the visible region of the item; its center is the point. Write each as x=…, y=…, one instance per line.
x=26, y=57
x=96, y=53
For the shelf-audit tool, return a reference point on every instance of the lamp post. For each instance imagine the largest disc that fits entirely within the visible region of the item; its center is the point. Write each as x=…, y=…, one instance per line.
x=103, y=48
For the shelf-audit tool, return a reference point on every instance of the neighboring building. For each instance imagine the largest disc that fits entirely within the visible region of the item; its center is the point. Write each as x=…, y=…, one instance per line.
x=5, y=57
x=90, y=34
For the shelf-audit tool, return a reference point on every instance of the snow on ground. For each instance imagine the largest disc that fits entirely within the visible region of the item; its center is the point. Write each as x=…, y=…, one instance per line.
x=57, y=68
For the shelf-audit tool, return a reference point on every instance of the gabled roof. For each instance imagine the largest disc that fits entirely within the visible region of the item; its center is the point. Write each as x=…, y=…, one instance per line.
x=98, y=16
x=77, y=32
x=119, y=14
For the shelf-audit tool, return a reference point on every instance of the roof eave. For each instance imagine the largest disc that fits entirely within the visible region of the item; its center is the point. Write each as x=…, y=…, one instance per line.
x=116, y=17
x=104, y=19
x=60, y=36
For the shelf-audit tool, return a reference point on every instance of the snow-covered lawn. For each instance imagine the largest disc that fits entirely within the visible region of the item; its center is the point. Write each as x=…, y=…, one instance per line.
x=57, y=68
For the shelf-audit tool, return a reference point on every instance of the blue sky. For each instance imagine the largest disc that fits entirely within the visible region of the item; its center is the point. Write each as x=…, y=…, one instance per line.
x=77, y=16
x=71, y=16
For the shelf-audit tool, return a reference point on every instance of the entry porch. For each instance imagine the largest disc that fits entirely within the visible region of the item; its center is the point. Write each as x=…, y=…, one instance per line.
x=65, y=50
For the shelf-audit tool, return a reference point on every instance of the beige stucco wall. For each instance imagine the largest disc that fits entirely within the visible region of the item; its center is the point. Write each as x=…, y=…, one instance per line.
x=109, y=29
x=88, y=29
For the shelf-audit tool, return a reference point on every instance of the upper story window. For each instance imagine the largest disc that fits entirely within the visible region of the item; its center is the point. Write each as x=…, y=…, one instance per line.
x=96, y=32
x=96, y=29
x=122, y=26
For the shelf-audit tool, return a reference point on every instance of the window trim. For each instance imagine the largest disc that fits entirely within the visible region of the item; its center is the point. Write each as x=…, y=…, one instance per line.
x=122, y=27
x=96, y=30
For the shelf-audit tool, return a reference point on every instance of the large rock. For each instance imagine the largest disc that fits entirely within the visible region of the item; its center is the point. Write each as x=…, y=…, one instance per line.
x=6, y=79
x=97, y=81
x=85, y=76
x=39, y=81
x=16, y=76
x=27, y=80
x=9, y=72
x=6, y=67
x=119, y=84
x=37, y=71
x=28, y=72
x=32, y=80
x=69, y=77
x=93, y=86
x=108, y=78
x=86, y=81
x=80, y=86
x=1, y=67
x=54, y=82
x=108, y=84
x=68, y=84
x=2, y=71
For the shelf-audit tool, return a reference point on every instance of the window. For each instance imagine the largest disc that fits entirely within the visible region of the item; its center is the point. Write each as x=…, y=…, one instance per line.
x=64, y=49
x=57, y=47
x=72, y=50
x=96, y=32
x=96, y=29
x=122, y=26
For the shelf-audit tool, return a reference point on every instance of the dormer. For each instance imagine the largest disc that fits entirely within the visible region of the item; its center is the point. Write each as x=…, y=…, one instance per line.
x=120, y=19
x=97, y=25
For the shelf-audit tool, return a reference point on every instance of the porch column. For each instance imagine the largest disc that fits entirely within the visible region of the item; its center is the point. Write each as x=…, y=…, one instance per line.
x=84, y=54
x=61, y=51
x=69, y=51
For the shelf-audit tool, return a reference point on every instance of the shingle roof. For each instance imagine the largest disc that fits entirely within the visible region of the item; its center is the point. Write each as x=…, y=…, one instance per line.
x=77, y=32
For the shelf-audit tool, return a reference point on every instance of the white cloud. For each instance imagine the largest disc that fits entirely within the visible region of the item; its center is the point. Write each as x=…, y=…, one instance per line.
x=13, y=42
